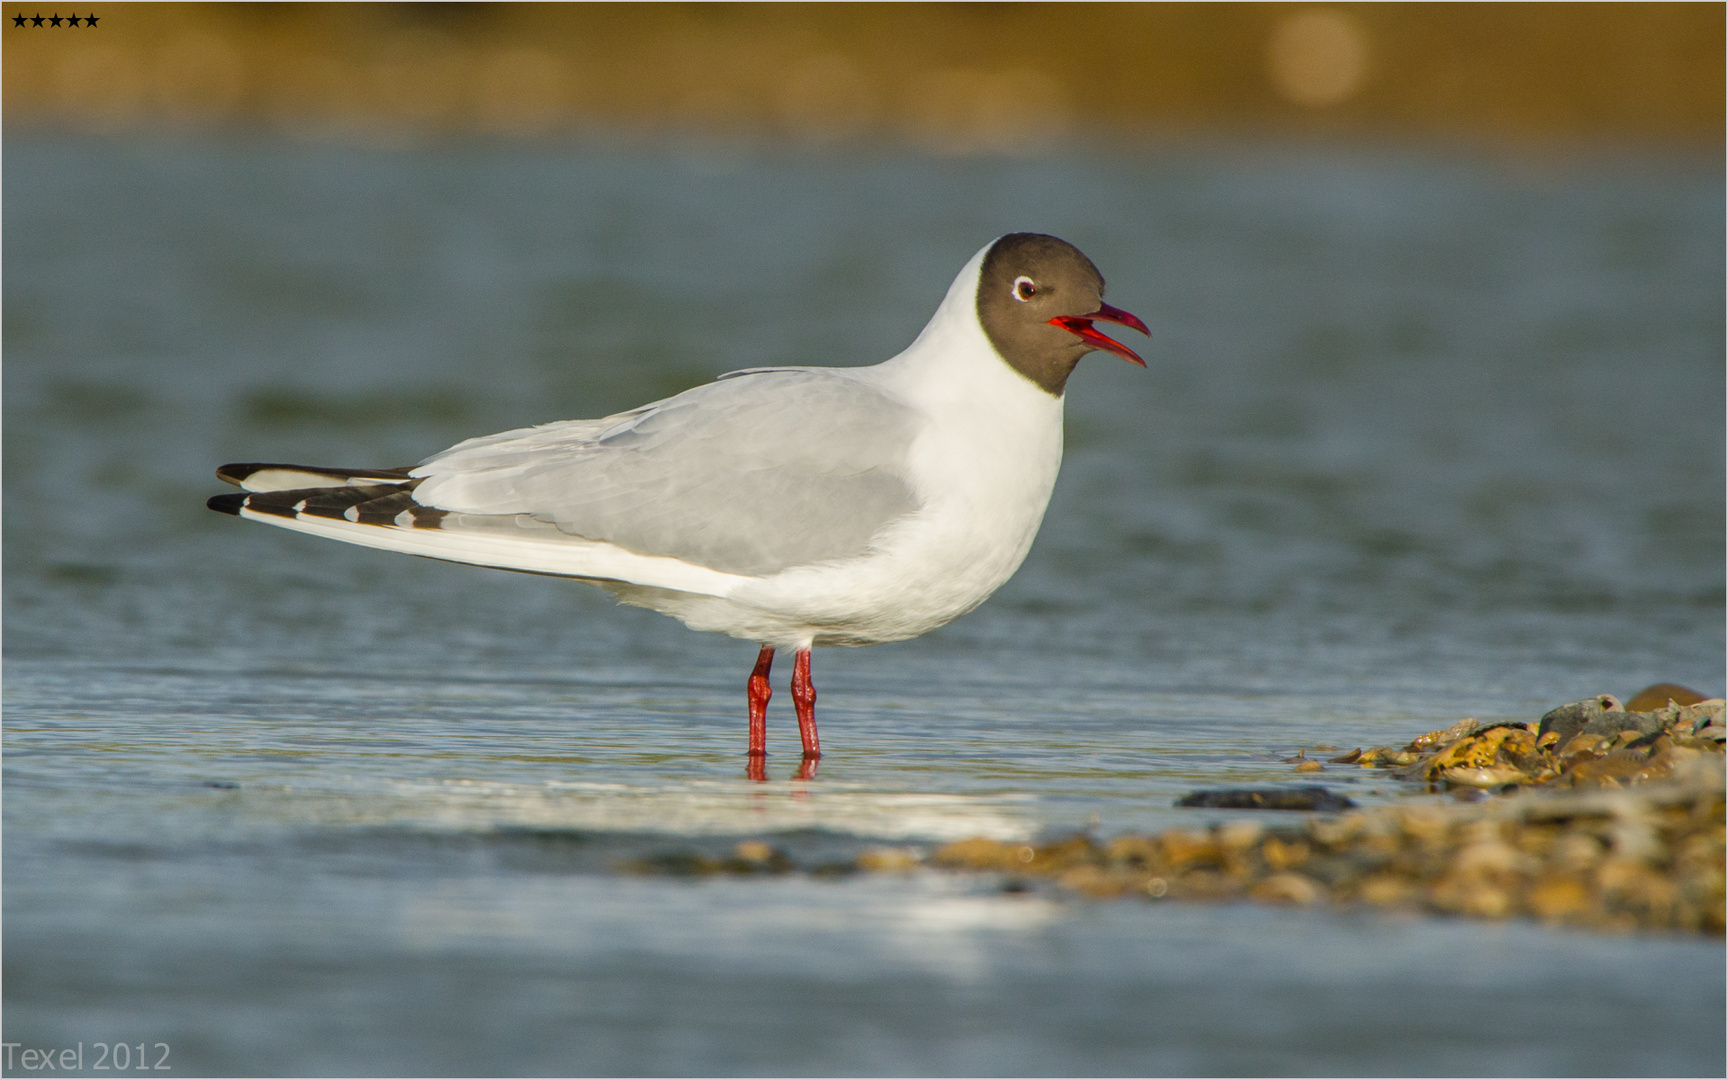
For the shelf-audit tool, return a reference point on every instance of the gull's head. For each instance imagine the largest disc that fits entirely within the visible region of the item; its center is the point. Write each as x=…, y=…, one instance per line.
x=1037, y=300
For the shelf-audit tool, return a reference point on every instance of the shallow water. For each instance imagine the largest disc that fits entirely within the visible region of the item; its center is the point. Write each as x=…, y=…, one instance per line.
x=1419, y=439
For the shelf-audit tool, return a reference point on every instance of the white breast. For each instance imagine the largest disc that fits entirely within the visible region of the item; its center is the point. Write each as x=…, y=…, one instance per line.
x=984, y=464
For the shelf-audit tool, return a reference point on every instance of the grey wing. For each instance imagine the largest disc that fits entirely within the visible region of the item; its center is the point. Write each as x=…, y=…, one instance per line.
x=748, y=475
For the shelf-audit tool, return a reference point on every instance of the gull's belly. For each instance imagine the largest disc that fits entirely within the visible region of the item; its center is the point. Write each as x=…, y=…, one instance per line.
x=924, y=571
x=973, y=532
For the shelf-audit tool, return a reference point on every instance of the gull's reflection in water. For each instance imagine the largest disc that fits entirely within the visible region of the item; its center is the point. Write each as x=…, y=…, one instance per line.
x=757, y=769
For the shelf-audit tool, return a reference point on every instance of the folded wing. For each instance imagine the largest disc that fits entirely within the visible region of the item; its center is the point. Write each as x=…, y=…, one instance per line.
x=746, y=476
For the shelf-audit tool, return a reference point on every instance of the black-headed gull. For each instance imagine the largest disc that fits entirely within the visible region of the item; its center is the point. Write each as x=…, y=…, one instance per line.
x=792, y=507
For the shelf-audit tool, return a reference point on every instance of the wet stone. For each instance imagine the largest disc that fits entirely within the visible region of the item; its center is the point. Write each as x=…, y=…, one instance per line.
x=1570, y=718
x=885, y=860
x=1613, y=723
x=1306, y=797
x=1703, y=714
x=1288, y=889
x=1440, y=738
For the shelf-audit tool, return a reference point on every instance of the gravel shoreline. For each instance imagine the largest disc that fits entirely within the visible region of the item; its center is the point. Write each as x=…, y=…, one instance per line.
x=1597, y=816
x=1603, y=817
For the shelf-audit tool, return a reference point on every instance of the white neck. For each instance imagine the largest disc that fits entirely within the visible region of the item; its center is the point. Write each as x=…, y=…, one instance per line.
x=953, y=366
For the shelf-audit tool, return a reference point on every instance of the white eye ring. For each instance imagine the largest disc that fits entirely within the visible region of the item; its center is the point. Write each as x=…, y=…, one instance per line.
x=1024, y=289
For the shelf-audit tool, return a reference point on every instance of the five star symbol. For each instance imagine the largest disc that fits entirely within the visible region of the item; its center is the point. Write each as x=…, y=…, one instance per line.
x=53, y=20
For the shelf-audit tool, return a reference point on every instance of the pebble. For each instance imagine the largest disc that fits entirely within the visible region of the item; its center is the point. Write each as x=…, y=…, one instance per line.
x=1568, y=719
x=753, y=851
x=1288, y=889
x=880, y=860
x=1308, y=797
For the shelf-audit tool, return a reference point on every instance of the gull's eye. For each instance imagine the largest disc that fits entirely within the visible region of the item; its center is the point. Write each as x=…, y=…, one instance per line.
x=1024, y=290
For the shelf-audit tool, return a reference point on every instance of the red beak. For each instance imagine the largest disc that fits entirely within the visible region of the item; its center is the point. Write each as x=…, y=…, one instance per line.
x=1081, y=327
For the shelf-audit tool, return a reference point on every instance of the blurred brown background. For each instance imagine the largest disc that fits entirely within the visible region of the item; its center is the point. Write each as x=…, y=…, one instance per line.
x=951, y=77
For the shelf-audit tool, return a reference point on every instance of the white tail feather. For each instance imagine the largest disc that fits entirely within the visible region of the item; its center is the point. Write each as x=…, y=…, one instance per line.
x=538, y=554
x=288, y=479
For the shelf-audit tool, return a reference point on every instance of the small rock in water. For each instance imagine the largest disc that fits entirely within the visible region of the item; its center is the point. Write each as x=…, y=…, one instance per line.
x=1654, y=697
x=756, y=856
x=1287, y=889
x=1308, y=797
x=753, y=851
x=1704, y=714
x=1570, y=719
x=1441, y=738
x=1481, y=777
x=1613, y=723
x=887, y=860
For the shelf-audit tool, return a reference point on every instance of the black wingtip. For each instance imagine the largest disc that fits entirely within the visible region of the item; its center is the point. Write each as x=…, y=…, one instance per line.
x=227, y=504
x=235, y=474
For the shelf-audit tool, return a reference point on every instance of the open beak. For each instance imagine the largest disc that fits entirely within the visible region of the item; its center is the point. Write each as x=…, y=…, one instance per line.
x=1081, y=327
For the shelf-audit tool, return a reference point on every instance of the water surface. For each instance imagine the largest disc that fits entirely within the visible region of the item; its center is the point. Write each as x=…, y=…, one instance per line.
x=1420, y=439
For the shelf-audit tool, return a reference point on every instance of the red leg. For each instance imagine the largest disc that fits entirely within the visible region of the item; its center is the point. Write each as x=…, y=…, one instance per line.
x=804, y=700
x=760, y=692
